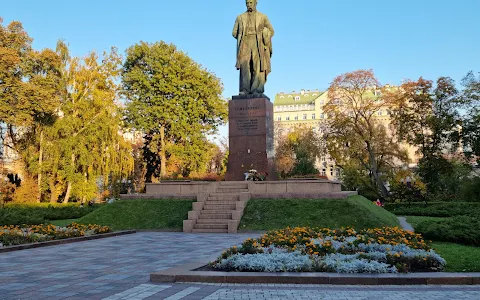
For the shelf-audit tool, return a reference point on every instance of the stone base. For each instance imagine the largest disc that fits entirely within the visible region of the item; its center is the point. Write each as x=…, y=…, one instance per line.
x=250, y=96
x=250, y=137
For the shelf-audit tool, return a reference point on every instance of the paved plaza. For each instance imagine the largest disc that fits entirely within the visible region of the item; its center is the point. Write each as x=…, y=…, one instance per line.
x=119, y=268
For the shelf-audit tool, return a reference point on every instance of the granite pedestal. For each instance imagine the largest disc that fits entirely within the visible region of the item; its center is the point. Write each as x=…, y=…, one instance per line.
x=250, y=137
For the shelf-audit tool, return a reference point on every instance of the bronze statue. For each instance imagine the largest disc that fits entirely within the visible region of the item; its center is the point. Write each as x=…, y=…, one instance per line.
x=253, y=32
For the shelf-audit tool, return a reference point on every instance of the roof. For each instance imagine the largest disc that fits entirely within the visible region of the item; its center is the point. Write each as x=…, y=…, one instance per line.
x=304, y=97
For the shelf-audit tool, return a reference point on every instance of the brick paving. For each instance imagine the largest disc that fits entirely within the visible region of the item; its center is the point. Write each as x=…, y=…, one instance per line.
x=119, y=268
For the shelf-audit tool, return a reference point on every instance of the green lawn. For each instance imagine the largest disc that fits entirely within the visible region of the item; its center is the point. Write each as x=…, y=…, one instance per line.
x=356, y=211
x=459, y=258
x=415, y=220
x=141, y=214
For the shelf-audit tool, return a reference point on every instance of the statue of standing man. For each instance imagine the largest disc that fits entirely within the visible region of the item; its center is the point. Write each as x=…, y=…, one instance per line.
x=253, y=32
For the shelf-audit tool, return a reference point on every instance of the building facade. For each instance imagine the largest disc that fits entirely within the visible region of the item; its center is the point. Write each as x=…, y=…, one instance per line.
x=305, y=108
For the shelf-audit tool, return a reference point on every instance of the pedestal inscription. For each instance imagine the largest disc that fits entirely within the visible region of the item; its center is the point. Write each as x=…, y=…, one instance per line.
x=250, y=138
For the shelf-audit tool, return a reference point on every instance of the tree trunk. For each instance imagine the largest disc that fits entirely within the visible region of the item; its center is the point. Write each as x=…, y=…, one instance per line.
x=40, y=161
x=163, y=157
x=53, y=194
x=69, y=191
x=373, y=164
x=69, y=185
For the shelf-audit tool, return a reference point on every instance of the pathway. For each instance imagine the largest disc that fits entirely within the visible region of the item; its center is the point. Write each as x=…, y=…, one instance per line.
x=404, y=224
x=119, y=268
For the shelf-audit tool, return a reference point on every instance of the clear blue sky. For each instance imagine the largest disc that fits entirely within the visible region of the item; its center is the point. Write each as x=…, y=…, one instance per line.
x=314, y=41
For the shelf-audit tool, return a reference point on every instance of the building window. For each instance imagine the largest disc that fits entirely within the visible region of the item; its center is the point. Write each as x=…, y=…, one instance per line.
x=322, y=102
x=324, y=172
x=313, y=116
x=380, y=113
x=296, y=118
x=279, y=118
x=331, y=171
x=304, y=116
x=288, y=118
x=322, y=116
x=297, y=98
x=337, y=173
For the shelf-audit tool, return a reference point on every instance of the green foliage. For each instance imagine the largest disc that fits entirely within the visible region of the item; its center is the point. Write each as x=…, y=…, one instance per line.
x=176, y=103
x=297, y=151
x=15, y=214
x=141, y=214
x=28, y=80
x=355, y=179
x=416, y=220
x=458, y=229
x=358, y=212
x=471, y=120
x=406, y=192
x=434, y=209
x=470, y=189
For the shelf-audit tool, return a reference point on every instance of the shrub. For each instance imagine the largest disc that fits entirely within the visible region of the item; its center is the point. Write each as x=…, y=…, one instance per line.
x=16, y=214
x=459, y=229
x=437, y=209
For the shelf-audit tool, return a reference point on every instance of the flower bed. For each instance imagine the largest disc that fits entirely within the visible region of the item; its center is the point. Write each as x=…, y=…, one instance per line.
x=17, y=235
x=304, y=249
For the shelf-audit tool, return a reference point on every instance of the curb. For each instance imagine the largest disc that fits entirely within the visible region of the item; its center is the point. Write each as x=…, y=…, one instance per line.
x=64, y=241
x=187, y=273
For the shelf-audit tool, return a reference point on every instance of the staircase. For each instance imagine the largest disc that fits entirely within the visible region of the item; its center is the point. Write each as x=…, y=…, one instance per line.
x=220, y=211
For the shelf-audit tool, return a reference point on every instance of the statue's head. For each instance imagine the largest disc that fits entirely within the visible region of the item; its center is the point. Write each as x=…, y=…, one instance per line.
x=251, y=5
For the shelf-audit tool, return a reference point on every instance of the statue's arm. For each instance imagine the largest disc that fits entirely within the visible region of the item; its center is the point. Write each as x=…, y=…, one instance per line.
x=269, y=26
x=236, y=28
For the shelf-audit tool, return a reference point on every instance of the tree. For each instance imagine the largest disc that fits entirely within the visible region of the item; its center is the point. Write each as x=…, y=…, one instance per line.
x=82, y=150
x=355, y=135
x=29, y=97
x=297, y=151
x=175, y=102
x=425, y=117
x=470, y=100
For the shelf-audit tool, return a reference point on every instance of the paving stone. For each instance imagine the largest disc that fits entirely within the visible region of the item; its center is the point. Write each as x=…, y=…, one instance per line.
x=103, y=268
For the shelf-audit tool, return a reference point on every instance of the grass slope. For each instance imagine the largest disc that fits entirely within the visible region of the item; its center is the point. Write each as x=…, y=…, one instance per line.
x=356, y=211
x=141, y=214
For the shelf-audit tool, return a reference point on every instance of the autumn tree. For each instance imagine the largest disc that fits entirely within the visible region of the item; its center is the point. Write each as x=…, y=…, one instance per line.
x=355, y=133
x=296, y=152
x=29, y=97
x=425, y=116
x=175, y=103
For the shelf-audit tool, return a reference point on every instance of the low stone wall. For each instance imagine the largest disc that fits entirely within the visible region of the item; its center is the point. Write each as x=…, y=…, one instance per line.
x=300, y=189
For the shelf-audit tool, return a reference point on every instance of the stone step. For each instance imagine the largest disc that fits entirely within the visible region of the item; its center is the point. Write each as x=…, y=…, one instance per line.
x=209, y=212
x=194, y=230
x=223, y=197
x=213, y=221
x=222, y=207
x=221, y=202
x=215, y=215
x=211, y=226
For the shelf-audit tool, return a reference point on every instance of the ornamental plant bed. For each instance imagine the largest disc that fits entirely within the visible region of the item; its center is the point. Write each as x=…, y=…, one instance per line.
x=18, y=235
x=345, y=250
